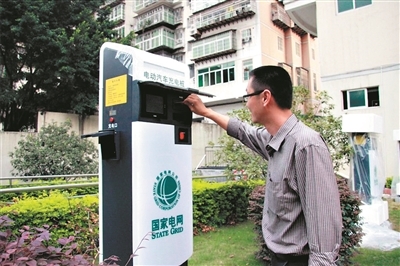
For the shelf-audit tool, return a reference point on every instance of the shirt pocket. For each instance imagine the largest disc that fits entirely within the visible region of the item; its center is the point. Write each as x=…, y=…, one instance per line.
x=281, y=200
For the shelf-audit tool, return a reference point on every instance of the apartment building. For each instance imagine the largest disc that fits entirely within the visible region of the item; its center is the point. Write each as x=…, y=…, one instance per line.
x=221, y=41
x=121, y=12
x=227, y=39
x=359, y=44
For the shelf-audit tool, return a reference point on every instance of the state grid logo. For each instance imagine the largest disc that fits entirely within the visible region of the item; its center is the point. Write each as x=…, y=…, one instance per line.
x=167, y=190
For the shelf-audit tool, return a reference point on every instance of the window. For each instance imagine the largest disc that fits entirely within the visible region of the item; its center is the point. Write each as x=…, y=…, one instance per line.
x=117, y=13
x=246, y=35
x=297, y=48
x=280, y=43
x=313, y=54
x=344, y=5
x=315, y=81
x=215, y=44
x=120, y=32
x=155, y=38
x=178, y=57
x=302, y=77
x=247, y=67
x=217, y=74
x=358, y=98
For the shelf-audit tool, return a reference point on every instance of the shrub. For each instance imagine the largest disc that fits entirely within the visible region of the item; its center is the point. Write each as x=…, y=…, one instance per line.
x=388, y=183
x=64, y=216
x=217, y=204
x=54, y=151
x=214, y=204
x=256, y=206
x=351, y=234
x=32, y=247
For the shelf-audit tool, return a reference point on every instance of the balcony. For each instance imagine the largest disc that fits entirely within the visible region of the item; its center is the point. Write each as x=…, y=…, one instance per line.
x=198, y=6
x=160, y=39
x=279, y=17
x=118, y=14
x=214, y=46
x=303, y=13
x=159, y=16
x=111, y=3
x=221, y=15
x=298, y=30
x=143, y=6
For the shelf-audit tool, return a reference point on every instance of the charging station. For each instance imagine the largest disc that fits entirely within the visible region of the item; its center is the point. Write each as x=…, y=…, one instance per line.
x=145, y=188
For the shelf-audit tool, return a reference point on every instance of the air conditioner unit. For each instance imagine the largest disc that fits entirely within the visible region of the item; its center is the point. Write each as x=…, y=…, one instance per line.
x=240, y=11
x=246, y=39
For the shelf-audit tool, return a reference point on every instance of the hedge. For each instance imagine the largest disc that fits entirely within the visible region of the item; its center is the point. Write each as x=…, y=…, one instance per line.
x=214, y=204
x=64, y=217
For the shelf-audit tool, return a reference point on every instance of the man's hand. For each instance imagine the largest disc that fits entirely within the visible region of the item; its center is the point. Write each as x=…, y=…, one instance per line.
x=197, y=106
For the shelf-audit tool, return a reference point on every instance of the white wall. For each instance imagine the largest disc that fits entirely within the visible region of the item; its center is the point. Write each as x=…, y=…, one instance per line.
x=8, y=142
x=202, y=135
x=360, y=48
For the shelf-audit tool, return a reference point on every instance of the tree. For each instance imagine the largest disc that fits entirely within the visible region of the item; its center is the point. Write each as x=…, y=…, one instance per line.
x=315, y=113
x=238, y=158
x=49, y=57
x=54, y=151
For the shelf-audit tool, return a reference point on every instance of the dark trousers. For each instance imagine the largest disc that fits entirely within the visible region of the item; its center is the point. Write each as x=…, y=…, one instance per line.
x=288, y=260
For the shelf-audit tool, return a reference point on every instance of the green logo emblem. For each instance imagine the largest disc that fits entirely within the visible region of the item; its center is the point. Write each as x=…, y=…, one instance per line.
x=167, y=190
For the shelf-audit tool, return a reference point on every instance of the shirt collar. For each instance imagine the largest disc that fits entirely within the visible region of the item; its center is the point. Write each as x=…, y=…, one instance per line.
x=280, y=136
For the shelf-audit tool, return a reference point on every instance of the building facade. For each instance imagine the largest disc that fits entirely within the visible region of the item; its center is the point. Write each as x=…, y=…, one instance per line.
x=227, y=39
x=222, y=41
x=359, y=44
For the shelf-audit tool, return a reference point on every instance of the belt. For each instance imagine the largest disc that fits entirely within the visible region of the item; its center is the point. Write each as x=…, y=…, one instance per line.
x=291, y=257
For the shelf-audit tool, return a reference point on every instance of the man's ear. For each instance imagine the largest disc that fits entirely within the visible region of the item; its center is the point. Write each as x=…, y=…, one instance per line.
x=267, y=97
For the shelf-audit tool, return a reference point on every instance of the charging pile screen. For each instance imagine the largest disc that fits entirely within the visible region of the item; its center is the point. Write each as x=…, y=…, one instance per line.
x=155, y=104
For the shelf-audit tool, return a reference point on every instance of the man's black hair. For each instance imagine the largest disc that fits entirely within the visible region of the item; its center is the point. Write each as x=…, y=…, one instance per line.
x=277, y=81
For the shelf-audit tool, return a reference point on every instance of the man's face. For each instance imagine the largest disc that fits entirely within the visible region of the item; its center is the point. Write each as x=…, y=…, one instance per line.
x=254, y=102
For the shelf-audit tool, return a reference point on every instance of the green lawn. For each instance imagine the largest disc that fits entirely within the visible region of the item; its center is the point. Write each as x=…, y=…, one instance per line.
x=236, y=245
x=369, y=257
x=227, y=245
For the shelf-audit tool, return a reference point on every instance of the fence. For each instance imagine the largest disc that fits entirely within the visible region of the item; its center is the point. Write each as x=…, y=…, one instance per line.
x=214, y=178
x=63, y=186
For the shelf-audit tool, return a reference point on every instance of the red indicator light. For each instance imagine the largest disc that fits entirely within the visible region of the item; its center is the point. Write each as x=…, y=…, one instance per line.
x=181, y=135
x=111, y=120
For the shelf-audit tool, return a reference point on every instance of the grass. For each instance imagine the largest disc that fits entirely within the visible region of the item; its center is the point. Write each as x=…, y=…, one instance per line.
x=394, y=215
x=236, y=245
x=227, y=245
x=372, y=257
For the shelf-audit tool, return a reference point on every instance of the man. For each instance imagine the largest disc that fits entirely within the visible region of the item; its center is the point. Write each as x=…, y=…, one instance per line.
x=302, y=222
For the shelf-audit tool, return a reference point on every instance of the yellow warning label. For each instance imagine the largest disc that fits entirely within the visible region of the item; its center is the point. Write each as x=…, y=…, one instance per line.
x=116, y=90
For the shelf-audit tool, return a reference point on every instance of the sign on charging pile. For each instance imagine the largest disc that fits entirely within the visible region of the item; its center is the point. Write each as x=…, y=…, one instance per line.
x=145, y=171
x=163, y=180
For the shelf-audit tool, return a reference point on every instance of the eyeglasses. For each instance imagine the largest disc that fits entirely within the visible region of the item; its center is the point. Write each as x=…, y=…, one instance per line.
x=247, y=96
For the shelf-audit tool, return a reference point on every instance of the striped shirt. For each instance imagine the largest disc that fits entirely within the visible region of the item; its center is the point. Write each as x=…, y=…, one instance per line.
x=302, y=213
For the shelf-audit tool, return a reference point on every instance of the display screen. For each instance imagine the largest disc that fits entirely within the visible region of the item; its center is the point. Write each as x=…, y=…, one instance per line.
x=154, y=104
